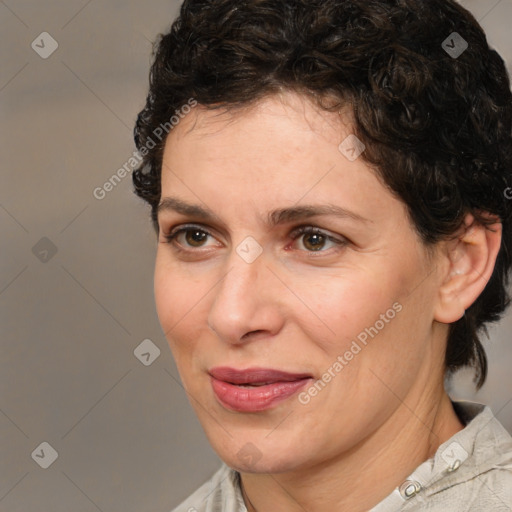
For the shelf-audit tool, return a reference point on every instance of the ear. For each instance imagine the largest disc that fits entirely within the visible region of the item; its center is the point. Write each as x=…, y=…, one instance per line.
x=470, y=260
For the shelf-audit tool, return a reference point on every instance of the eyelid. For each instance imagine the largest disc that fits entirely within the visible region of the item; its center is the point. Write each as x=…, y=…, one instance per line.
x=309, y=228
x=185, y=227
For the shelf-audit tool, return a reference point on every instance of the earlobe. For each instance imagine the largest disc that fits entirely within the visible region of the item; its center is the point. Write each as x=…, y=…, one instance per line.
x=470, y=262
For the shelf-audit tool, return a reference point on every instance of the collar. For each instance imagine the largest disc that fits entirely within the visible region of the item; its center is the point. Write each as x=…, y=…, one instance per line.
x=477, y=448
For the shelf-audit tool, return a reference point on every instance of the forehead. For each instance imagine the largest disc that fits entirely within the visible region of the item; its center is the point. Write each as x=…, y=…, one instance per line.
x=277, y=110
x=281, y=151
x=280, y=133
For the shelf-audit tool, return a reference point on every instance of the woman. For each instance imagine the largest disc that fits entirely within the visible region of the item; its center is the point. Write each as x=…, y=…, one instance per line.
x=327, y=180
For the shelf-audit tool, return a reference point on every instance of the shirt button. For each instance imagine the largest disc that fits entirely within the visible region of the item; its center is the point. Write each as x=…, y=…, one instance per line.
x=454, y=466
x=409, y=489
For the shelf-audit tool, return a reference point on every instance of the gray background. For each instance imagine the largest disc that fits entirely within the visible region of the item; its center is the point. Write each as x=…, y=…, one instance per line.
x=124, y=432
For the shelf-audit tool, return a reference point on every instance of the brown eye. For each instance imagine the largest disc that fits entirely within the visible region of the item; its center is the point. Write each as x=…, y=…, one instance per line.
x=314, y=241
x=195, y=237
x=189, y=237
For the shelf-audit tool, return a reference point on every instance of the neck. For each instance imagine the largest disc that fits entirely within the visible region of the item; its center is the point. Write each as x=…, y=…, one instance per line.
x=379, y=463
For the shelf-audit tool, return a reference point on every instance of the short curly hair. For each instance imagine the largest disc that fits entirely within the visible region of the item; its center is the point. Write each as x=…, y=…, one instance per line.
x=437, y=126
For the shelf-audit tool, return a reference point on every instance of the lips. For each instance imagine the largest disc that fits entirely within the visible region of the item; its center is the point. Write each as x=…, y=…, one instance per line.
x=254, y=389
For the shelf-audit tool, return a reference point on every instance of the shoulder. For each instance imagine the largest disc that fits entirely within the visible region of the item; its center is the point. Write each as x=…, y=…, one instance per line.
x=219, y=494
x=490, y=490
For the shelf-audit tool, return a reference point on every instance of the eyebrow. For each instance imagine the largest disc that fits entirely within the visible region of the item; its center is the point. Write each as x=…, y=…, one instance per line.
x=274, y=218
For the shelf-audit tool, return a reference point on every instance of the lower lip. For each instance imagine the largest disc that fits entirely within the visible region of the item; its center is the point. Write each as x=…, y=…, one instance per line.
x=255, y=399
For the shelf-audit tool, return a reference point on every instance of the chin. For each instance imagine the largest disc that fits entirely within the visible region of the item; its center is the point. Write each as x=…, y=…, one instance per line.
x=258, y=457
x=265, y=465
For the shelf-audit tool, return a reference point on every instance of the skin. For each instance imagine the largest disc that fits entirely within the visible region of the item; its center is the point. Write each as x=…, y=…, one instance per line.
x=297, y=309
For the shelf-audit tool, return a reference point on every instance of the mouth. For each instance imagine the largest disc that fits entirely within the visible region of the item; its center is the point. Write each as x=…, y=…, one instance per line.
x=254, y=389
x=255, y=385
x=254, y=376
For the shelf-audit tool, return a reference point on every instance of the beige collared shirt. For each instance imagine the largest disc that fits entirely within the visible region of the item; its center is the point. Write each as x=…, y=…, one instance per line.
x=471, y=472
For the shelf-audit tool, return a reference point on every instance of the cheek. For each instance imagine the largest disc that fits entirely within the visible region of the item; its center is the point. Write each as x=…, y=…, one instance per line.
x=342, y=305
x=177, y=298
x=165, y=296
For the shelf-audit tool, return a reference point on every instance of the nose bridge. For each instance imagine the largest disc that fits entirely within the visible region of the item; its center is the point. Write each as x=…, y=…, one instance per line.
x=246, y=264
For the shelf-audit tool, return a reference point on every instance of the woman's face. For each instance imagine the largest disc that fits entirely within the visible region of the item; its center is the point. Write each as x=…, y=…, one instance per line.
x=349, y=302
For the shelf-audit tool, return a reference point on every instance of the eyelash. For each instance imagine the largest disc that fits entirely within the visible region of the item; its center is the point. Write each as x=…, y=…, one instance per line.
x=295, y=234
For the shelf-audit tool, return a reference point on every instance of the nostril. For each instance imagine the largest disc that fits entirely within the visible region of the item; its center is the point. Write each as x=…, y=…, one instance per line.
x=252, y=333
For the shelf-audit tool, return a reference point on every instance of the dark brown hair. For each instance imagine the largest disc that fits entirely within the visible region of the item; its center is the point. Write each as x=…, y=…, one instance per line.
x=437, y=126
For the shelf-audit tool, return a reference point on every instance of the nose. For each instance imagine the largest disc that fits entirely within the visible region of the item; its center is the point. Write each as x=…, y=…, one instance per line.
x=246, y=302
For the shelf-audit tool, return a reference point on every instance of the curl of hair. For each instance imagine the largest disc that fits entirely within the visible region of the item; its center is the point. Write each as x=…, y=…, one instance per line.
x=437, y=129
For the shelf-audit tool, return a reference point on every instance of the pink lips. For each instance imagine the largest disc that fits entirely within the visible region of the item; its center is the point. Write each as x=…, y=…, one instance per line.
x=268, y=387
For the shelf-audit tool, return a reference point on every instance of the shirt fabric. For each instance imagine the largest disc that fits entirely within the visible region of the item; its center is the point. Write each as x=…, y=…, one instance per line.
x=470, y=472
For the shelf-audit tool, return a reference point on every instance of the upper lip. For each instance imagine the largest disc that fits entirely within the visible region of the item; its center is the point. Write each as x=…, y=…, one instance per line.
x=254, y=375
